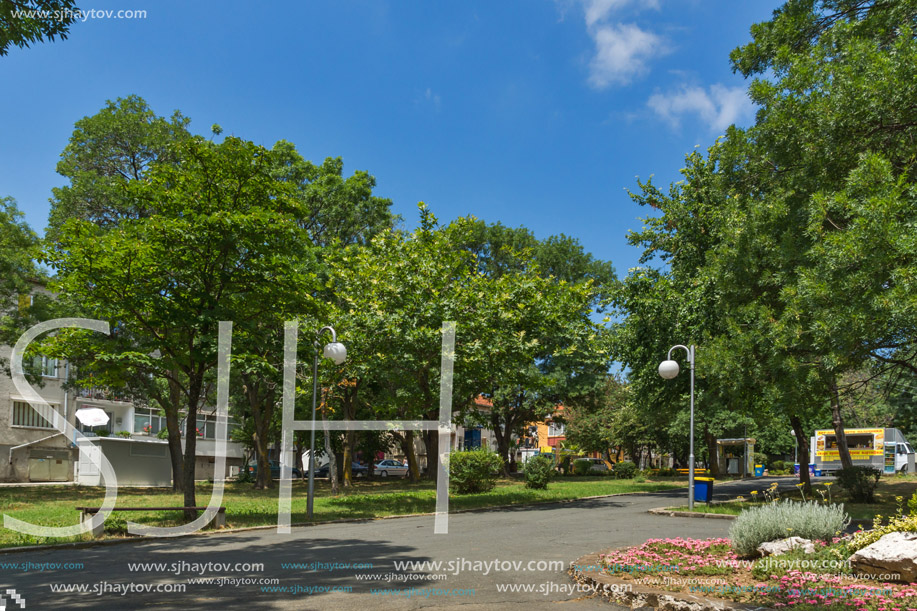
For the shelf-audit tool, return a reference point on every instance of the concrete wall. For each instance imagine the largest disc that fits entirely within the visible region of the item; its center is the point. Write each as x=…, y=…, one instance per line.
x=10, y=436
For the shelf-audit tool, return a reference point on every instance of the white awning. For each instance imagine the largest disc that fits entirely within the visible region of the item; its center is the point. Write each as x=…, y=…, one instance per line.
x=92, y=416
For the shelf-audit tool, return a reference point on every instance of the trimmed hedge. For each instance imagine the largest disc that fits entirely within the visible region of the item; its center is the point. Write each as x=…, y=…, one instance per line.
x=474, y=471
x=625, y=470
x=539, y=470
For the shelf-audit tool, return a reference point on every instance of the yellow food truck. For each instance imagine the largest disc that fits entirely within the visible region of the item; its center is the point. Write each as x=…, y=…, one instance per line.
x=885, y=449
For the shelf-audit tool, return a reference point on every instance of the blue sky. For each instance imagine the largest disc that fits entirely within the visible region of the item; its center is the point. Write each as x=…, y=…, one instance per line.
x=533, y=112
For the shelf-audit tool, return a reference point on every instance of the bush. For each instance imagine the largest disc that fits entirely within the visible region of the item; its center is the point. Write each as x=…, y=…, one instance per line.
x=862, y=538
x=859, y=483
x=102, y=432
x=582, y=466
x=625, y=470
x=775, y=521
x=538, y=472
x=776, y=465
x=474, y=471
x=666, y=473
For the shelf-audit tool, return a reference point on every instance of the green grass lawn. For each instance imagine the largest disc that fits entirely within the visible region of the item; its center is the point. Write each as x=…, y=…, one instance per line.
x=890, y=487
x=54, y=505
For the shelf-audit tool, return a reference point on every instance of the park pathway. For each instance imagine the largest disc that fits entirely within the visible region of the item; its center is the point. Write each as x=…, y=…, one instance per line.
x=532, y=536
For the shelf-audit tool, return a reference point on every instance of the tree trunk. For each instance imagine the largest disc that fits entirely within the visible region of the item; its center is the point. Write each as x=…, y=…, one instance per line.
x=502, y=438
x=348, y=459
x=431, y=444
x=173, y=427
x=262, y=408
x=803, y=441
x=837, y=420
x=348, y=403
x=406, y=440
x=332, y=459
x=195, y=386
x=712, y=458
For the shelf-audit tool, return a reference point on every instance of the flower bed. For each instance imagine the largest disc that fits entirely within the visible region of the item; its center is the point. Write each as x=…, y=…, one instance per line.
x=709, y=568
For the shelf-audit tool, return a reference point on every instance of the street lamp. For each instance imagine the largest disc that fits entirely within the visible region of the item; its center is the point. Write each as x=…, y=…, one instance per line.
x=668, y=369
x=335, y=351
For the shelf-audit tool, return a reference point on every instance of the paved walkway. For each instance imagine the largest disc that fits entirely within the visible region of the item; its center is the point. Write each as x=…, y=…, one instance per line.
x=532, y=536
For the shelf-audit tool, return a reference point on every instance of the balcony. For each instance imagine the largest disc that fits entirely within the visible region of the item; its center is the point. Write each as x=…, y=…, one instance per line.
x=101, y=393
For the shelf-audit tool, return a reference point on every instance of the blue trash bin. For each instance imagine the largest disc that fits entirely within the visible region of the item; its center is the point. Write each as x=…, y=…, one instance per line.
x=703, y=489
x=759, y=470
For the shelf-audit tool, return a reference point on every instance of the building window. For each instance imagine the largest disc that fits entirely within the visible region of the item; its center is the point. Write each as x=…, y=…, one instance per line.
x=207, y=427
x=46, y=365
x=556, y=430
x=24, y=415
x=148, y=421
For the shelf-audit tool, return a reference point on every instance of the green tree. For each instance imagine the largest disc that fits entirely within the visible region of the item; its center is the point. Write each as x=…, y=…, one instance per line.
x=117, y=145
x=23, y=22
x=392, y=296
x=224, y=243
x=593, y=422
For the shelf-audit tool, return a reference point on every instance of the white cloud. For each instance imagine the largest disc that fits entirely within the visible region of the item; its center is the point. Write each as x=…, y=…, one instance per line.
x=719, y=107
x=621, y=52
x=600, y=10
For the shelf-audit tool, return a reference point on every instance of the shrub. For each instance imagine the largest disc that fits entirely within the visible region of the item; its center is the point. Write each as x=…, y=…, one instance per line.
x=582, y=466
x=474, y=471
x=775, y=521
x=776, y=465
x=912, y=505
x=666, y=472
x=862, y=538
x=625, y=470
x=124, y=434
x=163, y=433
x=859, y=482
x=538, y=472
x=102, y=432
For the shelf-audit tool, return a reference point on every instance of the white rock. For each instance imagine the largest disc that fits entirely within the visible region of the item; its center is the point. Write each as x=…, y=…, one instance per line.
x=776, y=548
x=894, y=553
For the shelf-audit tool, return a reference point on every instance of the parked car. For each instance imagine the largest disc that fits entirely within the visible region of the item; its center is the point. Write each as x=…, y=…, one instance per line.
x=275, y=470
x=390, y=468
x=598, y=464
x=357, y=469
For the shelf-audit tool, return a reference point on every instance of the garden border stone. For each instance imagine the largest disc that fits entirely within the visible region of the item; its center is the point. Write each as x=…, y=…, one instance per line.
x=586, y=572
x=664, y=511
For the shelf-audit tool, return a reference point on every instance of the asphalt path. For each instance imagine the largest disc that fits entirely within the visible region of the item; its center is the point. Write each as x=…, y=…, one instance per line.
x=517, y=544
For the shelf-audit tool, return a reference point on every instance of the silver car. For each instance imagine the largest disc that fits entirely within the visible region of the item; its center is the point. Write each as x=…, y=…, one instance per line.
x=390, y=468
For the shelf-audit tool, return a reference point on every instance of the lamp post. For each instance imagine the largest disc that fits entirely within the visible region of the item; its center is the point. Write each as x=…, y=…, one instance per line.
x=337, y=353
x=668, y=369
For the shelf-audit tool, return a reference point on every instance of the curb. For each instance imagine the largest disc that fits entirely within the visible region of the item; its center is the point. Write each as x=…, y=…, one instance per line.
x=585, y=571
x=662, y=511
x=208, y=533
